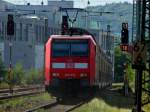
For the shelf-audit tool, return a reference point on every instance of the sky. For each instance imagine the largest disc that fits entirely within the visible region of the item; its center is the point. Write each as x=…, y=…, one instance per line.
x=78, y=3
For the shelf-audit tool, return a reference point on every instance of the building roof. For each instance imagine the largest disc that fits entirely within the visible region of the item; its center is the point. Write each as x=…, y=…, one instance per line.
x=4, y=5
x=2, y=2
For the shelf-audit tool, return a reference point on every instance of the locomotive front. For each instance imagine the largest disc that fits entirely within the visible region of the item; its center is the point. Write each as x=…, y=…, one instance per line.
x=68, y=59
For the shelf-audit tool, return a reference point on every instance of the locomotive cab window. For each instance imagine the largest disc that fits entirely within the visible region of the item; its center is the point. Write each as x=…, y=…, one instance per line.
x=60, y=49
x=79, y=49
x=75, y=48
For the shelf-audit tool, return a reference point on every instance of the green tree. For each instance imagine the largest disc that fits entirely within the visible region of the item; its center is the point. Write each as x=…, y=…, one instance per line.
x=120, y=59
x=123, y=14
x=131, y=77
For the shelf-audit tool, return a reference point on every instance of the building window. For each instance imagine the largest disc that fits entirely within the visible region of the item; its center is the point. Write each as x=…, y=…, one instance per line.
x=39, y=39
x=36, y=33
x=1, y=31
x=52, y=31
x=26, y=32
x=20, y=36
x=4, y=30
x=15, y=32
x=43, y=35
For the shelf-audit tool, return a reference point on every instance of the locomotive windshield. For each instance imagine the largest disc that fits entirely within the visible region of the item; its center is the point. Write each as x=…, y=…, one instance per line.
x=62, y=48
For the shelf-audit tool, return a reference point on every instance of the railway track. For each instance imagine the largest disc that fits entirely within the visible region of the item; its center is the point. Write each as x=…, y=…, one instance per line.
x=18, y=92
x=55, y=106
x=65, y=105
x=18, y=89
x=44, y=105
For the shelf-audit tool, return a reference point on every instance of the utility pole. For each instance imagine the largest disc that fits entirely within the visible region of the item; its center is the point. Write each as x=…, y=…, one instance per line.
x=125, y=65
x=108, y=41
x=10, y=34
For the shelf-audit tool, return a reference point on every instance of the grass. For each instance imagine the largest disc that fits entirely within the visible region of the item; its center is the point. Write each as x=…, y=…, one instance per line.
x=146, y=108
x=108, y=101
x=99, y=105
x=117, y=84
x=22, y=103
x=111, y=100
x=3, y=85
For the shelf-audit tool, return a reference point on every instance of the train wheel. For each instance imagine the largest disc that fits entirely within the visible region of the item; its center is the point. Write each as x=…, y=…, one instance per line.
x=46, y=87
x=58, y=99
x=93, y=90
x=100, y=86
x=96, y=87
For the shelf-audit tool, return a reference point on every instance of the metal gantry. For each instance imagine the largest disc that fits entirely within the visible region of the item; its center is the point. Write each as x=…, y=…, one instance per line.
x=141, y=11
x=145, y=35
x=134, y=20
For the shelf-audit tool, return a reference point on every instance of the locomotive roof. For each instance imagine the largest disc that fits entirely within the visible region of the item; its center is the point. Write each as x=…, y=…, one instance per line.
x=76, y=37
x=73, y=37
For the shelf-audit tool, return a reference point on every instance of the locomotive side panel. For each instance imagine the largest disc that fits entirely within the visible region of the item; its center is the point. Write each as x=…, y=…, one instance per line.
x=103, y=75
x=105, y=69
x=47, y=63
x=92, y=63
x=97, y=62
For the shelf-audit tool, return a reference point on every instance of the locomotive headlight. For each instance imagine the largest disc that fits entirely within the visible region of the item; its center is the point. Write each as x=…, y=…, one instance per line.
x=55, y=74
x=83, y=75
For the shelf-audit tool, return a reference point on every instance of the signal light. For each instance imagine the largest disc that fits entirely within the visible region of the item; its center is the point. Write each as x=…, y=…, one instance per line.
x=124, y=33
x=64, y=25
x=124, y=47
x=10, y=25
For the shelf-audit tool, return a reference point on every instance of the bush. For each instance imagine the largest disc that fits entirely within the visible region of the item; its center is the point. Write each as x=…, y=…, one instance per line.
x=16, y=77
x=18, y=74
x=2, y=69
x=131, y=77
x=120, y=59
x=35, y=76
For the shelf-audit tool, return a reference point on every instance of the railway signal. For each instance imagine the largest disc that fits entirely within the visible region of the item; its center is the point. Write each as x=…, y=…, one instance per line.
x=64, y=25
x=124, y=47
x=126, y=86
x=124, y=33
x=10, y=33
x=10, y=25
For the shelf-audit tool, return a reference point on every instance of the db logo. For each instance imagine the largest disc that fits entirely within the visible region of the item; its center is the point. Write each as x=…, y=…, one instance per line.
x=69, y=65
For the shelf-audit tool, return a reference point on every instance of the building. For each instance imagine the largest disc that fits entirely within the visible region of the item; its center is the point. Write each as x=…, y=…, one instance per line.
x=27, y=42
x=33, y=25
x=4, y=5
x=61, y=3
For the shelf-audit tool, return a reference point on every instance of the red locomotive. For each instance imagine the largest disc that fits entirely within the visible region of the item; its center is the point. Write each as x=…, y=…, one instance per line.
x=75, y=59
